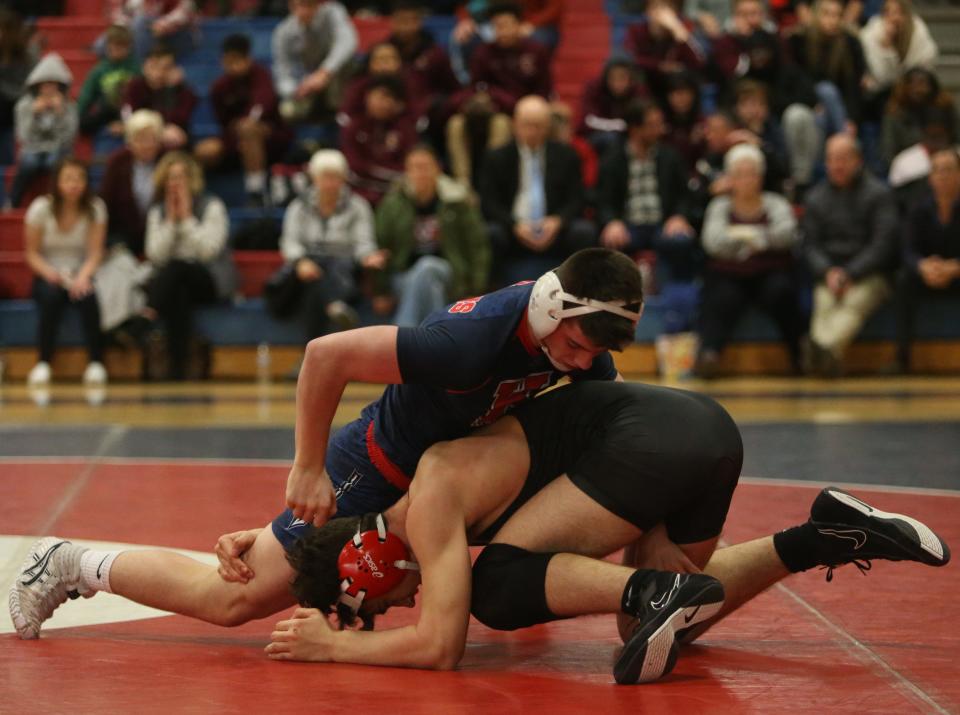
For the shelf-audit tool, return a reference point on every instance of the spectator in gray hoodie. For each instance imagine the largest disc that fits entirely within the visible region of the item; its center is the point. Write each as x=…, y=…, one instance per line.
x=328, y=233
x=311, y=48
x=45, y=121
x=850, y=240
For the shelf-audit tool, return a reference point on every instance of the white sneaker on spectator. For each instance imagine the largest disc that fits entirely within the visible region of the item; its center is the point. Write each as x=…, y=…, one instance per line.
x=39, y=374
x=95, y=374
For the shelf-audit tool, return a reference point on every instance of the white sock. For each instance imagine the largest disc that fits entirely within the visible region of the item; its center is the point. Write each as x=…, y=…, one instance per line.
x=95, y=569
x=255, y=181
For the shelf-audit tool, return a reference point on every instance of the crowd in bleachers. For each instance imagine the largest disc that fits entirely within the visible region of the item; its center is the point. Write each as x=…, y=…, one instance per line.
x=800, y=158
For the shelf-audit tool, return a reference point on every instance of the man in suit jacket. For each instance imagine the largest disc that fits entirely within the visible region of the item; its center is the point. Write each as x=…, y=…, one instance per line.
x=531, y=193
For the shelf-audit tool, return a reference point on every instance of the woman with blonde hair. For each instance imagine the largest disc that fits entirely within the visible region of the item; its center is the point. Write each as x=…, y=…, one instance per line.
x=63, y=245
x=895, y=41
x=186, y=241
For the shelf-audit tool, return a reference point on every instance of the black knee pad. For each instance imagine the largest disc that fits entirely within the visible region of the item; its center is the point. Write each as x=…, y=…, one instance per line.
x=509, y=588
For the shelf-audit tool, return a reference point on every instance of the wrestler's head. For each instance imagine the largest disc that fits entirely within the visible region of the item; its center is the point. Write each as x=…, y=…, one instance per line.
x=355, y=567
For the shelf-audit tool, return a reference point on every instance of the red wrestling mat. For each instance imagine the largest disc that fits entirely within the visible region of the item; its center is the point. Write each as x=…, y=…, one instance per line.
x=884, y=643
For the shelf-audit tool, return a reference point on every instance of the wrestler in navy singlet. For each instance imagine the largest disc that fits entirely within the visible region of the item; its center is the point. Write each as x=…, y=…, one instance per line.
x=463, y=367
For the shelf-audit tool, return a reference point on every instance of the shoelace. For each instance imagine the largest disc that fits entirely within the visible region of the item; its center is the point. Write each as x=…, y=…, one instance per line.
x=864, y=566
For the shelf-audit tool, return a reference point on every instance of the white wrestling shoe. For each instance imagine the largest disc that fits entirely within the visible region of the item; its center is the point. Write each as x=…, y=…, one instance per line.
x=49, y=576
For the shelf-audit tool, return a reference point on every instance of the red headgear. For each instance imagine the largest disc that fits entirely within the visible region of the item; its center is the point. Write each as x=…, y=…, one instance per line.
x=371, y=563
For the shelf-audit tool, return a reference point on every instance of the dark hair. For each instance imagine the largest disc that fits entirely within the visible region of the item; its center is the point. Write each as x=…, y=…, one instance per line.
x=392, y=84
x=160, y=49
x=618, y=63
x=602, y=274
x=86, y=199
x=684, y=79
x=237, y=44
x=937, y=99
x=637, y=112
x=314, y=559
x=505, y=8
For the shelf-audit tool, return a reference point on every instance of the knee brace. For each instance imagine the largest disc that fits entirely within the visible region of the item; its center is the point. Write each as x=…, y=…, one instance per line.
x=509, y=588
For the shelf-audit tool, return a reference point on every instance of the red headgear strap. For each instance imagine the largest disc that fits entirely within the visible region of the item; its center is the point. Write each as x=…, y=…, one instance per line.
x=371, y=564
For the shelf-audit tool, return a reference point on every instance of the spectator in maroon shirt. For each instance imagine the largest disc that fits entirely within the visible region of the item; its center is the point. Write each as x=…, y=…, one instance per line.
x=501, y=72
x=664, y=44
x=127, y=185
x=246, y=107
x=421, y=56
x=376, y=142
x=605, y=101
x=539, y=21
x=383, y=60
x=162, y=89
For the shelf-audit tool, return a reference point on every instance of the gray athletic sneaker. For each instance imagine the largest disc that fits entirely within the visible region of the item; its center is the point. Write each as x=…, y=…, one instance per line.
x=49, y=576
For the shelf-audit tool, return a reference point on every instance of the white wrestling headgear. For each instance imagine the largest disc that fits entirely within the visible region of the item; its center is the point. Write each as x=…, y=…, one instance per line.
x=545, y=310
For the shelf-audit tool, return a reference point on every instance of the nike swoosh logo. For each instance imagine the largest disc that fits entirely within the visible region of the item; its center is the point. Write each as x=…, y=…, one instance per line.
x=101, y=566
x=858, y=537
x=665, y=598
x=687, y=619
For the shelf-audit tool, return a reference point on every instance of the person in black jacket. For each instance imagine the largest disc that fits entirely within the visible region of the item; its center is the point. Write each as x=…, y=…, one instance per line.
x=931, y=248
x=531, y=193
x=644, y=200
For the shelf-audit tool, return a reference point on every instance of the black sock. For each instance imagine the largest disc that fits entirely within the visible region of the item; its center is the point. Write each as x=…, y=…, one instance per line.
x=799, y=547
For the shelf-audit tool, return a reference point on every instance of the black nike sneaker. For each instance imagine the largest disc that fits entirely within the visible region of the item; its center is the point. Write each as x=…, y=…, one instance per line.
x=856, y=532
x=663, y=602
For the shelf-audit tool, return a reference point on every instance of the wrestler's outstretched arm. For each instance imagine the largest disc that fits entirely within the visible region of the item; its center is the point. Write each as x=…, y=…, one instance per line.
x=330, y=362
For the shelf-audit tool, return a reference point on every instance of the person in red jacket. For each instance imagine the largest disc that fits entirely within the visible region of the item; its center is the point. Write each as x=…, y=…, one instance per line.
x=664, y=44
x=246, y=107
x=162, y=89
x=376, y=142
